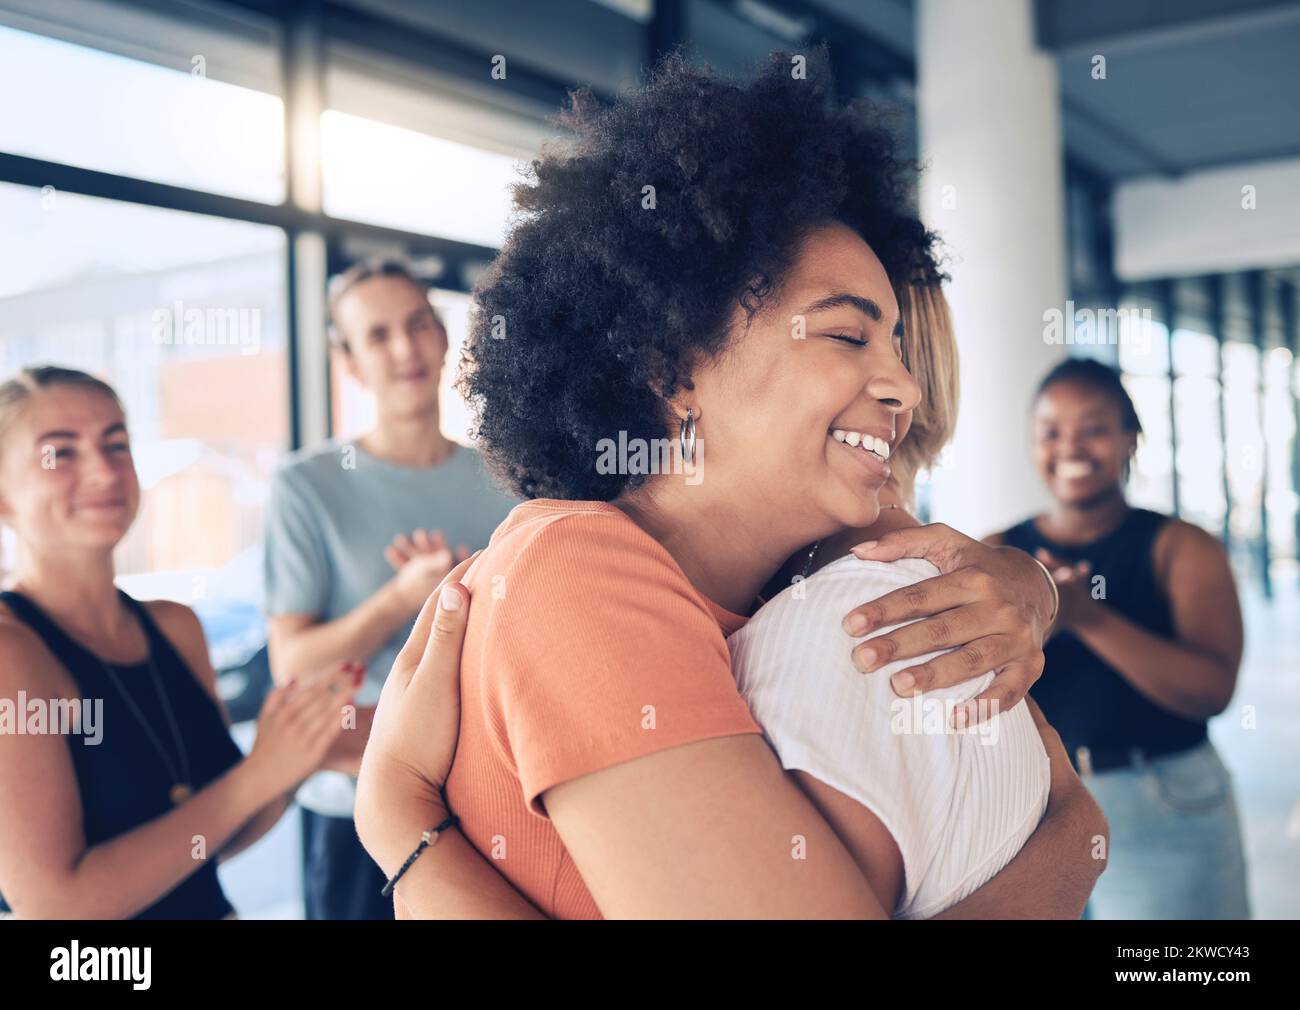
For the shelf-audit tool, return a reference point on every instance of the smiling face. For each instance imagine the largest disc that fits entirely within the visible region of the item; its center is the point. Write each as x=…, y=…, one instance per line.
x=802, y=410
x=67, y=480
x=395, y=345
x=1081, y=448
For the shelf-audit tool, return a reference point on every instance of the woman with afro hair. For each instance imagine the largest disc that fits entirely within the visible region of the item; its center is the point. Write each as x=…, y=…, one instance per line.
x=689, y=358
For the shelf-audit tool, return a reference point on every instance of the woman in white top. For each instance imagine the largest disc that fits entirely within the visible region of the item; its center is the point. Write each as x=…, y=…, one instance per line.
x=935, y=809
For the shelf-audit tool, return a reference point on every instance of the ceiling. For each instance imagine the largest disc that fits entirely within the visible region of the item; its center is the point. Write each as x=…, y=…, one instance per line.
x=1189, y=85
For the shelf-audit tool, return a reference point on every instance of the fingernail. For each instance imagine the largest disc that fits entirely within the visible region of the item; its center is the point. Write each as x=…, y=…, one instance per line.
x=450, y=599
x=867, y=660
x=903, y=681
x=863, y=548
x=856, y=624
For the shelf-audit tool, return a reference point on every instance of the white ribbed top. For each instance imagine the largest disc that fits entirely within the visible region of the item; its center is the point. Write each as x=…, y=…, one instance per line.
x=959, y=805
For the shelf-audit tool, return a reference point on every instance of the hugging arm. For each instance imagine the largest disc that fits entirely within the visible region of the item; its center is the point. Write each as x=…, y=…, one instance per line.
x=1052, y=875
x=453, y=880
x=405, y=765
x=686, y=831
x=628, y=828
x=990, y=605
x=682, y=832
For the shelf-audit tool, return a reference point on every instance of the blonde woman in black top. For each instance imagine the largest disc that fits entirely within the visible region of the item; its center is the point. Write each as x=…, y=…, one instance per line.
x=125, y=814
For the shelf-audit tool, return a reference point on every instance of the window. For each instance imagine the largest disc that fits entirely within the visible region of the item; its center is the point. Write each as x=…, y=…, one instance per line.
x=172, y=125
x=1199, y=456
x=1150, y=483
x=1195, y=354
x=185, y=316
x=398, y=178
x=1243, y=439
x=1143, y=344
x=1281, y=499
x=1234, y=412
x=419, y=149
x=1144, y=359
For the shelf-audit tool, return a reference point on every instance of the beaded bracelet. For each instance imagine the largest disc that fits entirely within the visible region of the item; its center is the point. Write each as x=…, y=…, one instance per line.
x=427, y=839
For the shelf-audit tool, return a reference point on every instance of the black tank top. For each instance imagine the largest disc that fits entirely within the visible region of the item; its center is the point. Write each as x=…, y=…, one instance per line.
x=1082, y=696
x=123, y=780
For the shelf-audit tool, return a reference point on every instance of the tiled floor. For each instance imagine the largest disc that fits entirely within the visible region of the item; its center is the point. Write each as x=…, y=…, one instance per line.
x=265, y=882
x=1265, y=759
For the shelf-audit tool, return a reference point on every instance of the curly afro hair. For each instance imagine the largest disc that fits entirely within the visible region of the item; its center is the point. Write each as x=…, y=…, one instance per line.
x=608, y=291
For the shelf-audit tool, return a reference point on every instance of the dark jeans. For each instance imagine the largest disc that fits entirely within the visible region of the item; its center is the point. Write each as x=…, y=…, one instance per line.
x=339, y=879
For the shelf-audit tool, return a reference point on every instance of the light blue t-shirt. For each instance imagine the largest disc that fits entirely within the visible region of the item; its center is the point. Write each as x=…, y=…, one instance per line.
x=333, y=509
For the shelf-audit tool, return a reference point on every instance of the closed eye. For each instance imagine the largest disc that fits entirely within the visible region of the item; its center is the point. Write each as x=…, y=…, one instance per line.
x=855, y=341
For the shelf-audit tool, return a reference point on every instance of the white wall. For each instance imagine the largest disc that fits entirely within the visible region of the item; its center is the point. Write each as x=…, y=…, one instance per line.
x=1202, y=223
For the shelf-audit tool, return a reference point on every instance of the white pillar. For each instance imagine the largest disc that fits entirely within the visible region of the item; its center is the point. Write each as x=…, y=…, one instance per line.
x=990, y=137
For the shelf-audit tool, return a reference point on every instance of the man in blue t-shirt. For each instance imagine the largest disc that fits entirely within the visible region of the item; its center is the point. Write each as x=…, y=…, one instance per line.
x=358, y=535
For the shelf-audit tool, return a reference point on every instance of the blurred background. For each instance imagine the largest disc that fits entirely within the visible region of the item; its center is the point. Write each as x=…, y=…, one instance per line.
x=1129, y=166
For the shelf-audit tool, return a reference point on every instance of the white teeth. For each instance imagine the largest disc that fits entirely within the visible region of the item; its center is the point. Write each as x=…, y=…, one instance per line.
x=872, y=444
x=1071, y=469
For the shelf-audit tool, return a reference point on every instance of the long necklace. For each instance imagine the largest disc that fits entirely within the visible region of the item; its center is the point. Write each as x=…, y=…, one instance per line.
x=181, y=790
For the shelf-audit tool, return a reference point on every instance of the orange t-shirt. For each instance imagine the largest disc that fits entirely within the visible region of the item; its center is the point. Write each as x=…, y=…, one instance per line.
x=586, y=647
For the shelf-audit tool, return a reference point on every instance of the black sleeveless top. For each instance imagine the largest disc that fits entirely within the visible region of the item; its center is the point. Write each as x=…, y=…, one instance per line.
x=1082, y=696
x=123, y=780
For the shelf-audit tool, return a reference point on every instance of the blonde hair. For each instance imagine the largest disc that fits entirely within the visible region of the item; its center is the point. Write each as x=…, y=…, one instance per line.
x=930, y=354
x=15, y=392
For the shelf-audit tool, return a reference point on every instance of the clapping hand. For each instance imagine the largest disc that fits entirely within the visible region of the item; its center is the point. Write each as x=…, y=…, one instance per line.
x=1074, y=585
x=421, y=561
